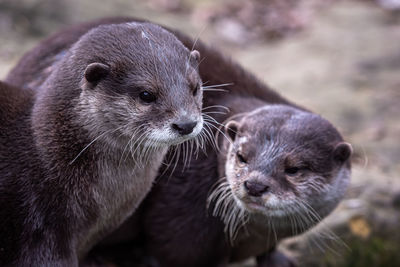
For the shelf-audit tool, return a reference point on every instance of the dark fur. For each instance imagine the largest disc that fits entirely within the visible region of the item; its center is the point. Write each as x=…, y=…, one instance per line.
x=51, y=202
x=15, y=107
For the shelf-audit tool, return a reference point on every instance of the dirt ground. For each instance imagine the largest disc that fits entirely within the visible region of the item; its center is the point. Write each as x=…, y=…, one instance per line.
x=345, y=65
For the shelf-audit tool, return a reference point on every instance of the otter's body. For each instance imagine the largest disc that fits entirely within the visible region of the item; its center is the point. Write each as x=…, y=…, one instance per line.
x=80, y=154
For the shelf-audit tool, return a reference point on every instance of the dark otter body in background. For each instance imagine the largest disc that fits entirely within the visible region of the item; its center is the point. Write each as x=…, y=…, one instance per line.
x=15, y=110
x=79, y=156
x=178, y=231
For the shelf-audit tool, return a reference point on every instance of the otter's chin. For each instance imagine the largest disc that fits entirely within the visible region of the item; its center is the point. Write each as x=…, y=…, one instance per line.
x=266, y=210
x=171, y=141
x=261, y=206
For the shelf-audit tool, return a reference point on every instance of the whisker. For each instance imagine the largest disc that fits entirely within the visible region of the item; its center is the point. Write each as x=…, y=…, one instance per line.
x=171, y=158
x=129, y=143
x=218, y=85
x=221, y=132
x=194, y=45
x=176, y=161
x=94, y=140
x=216, y=112
x=225, y=207
x=217, y=106
x=214, y=90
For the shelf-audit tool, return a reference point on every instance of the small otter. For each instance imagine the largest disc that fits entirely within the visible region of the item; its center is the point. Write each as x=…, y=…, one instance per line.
x=280, y=170
x=79, y=153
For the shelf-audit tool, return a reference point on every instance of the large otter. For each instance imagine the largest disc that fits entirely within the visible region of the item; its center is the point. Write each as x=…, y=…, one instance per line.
x=181, y=199
x=79, y=156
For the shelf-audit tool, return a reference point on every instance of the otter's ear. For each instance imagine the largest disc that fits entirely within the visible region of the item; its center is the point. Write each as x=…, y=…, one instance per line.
x=231, y=129
x=195, y=55
x=342, y=151
x=95, y=72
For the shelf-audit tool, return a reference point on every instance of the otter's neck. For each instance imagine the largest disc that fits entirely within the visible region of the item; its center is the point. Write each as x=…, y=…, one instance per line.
x=123, y=183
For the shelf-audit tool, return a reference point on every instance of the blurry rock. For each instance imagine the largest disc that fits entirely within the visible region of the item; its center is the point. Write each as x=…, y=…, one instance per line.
x=34, y=17
x=360, y=227
x=396, y=200
x=390, y=4
x=232, y=30
x=168, y=5
x=259, y=19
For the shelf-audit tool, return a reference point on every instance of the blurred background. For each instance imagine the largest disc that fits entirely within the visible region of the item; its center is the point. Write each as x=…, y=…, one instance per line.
x=339, y=58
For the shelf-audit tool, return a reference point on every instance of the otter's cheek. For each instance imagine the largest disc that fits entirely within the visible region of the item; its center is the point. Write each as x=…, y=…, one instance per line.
x=199, y=127
x=232, y=176
x=230, y=169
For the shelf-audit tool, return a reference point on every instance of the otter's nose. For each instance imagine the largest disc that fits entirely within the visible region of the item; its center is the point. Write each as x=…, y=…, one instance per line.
x=184, y=128
x=255, y=188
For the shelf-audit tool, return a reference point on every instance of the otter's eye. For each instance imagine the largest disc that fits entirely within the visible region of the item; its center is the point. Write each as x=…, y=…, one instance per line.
x=147, y=97
x=292, y=170
x=196, y=89
x=241, y=158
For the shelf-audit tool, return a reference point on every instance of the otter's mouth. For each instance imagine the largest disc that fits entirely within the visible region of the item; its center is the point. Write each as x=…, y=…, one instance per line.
x=262, y=206
x=168, y=138
x=256, y=207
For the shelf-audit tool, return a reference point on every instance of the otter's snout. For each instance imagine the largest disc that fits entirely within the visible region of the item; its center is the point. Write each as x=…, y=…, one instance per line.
x=256, y=188
x=184, y=128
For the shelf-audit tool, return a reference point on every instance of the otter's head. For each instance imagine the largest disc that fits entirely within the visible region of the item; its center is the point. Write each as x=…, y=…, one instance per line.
x=285, y=163
x=136, y=83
